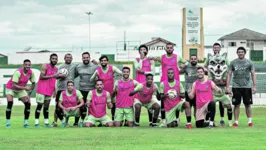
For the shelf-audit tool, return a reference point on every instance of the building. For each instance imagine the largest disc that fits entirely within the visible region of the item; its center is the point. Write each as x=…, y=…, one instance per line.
x=3, y=59
x=253, y=41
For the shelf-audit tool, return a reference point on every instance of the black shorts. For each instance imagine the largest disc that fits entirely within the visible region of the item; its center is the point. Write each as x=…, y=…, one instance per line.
x=85, y=95
x=239, y=93
x=192, y=102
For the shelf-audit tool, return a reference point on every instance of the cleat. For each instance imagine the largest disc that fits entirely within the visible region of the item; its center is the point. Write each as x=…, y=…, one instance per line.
x=37, y=126
x=222, y=123
x=8, y=125
x=154, y=125
x=54, y=124
x=26, y=126
x=235, y=125
x=250, y=125
x=150, y=124
x=75, y=125
x=82, y=125
x=229, y=124
x=189, y=126
x=136, y=124
x=48, y=125
x=159, y=120
x=63, y=125
x=211, y=127
x=176, y=123
x=162, y=125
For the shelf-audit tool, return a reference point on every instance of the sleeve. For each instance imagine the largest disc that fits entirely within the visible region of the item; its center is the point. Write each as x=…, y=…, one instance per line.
x=108, y=97
x=94, y=77
x=61, y=97
x=138, y=87
x=251, y=66
x=89, y=97
x=116, y=70
x=227, y=62
x=136, y=64
x=181, y=60
x=33, y=78
x=161, y=87
x=155, y=90
x=79, y=95
x=136, y=83
x=206, y=62
x=16, y=76
x=230, y=68
x=182, y=90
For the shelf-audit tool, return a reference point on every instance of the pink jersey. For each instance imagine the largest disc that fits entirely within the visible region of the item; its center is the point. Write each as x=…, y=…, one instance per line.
x=203, y=93
x=70, y=101
x=169, y=63
x=23, y=80
x=107, y=78
x=98, y=104
x=123, y=100
x=145, y=95
x=171, y=103
x=146, y=67
x=47, y=86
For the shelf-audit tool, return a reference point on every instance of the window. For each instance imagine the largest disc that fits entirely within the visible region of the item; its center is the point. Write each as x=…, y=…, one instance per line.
x=232, y=44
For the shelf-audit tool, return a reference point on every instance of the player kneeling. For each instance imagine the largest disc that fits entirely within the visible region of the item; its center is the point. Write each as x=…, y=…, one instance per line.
x=146, y=97
x=70, y=102
x=97, y=101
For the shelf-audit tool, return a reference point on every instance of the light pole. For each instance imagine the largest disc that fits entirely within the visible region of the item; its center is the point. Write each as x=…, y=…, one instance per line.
x=89, y=14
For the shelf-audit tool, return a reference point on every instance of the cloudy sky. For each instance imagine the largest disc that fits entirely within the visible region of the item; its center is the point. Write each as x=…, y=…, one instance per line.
x=63, y=24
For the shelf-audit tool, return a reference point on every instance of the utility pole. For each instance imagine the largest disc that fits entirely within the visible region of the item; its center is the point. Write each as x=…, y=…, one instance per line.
x=89, y=14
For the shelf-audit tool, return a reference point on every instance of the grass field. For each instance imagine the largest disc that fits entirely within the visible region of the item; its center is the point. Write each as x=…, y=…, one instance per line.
x=142, y=137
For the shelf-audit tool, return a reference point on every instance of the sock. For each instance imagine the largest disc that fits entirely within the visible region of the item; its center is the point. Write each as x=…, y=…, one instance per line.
x=113, y=111
x=46, y=113
x=26, y=121
x=46, y=121
x=8, y=110
x=222, y=118
x=154, y=120
x=236, y=122
x=137, y=119
x=63, y=120
x=27, y=110
x=83, y=111
x=249, y=120
x=164, y=121
x=37, y=112
x=8, y=121
x=211, y=123
x=188, y=119
x=36, y=121
x=150, y=113
x=229, y=121
x=229, y=114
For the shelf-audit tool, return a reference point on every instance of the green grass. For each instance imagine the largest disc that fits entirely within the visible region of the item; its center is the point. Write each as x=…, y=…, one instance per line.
x=142, y=137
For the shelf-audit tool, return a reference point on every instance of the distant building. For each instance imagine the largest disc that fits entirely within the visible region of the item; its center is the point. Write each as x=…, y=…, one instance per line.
x=3, y=59
x=157, y=43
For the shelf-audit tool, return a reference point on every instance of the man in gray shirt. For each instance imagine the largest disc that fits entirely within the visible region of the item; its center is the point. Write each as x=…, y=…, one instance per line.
x=241, y=68
x=85, y=71
x=61, y=82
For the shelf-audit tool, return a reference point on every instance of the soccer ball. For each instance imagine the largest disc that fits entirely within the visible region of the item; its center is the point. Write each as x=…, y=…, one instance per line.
x=172, y=94
x=63, y=71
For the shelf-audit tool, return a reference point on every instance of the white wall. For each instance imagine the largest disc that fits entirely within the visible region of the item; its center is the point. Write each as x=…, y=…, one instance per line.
x=40, y=58
x=258, y=45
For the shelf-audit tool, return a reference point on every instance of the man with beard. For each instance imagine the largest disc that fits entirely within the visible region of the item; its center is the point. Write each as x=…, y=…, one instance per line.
x=190, y=77
x=106, y=74
x=202, y=89
x=216, y=51
x=62, y=82
x=124, y=102
x=17, y=87
x=45, y=89
x=85, y=71
x=242, y=69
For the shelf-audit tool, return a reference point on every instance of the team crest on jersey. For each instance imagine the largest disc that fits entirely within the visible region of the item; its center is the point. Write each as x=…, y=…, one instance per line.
x=103, y=98
x=110, y=74
x=172, y=60
x=146, y=63
x=207, y=86
x=73, y=98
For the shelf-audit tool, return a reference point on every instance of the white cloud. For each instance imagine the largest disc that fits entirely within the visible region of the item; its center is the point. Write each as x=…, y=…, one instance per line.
x=5, y=27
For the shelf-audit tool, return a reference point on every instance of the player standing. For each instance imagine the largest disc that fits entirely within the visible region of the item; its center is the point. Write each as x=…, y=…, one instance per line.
x=97, y=101
x=85, y=71
x=146, y=96
x=124, y=102
x=45, y=89
x=70, y=101
x=203, y=88
x=190, y=77
x=143, y=66
x=242, y=68
x=17, y=87
x=61, y=83
x=175, y=104
x=106, y=73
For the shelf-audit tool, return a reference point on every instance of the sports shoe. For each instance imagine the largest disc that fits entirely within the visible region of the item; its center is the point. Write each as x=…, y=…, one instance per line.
x=189, y=126
x=37, y=126
x=250, y=125
x=154, y=125
x=211, y=127
x=136, y=124
x=100, y=125
x=54, y=124
x=235, y=125
x=63, y=125
x=162, y=125
x=150, y=124
x=176, y=123
x=230, y=124
x=48, y=125
x=81, y=124
x=75, y=125
x=26, y=126
x=8, y=125
x=159, y=120
x=222, y=123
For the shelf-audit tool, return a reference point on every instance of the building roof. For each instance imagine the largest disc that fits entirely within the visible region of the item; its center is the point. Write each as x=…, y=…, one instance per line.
x=244, y=34
x=156, y=40
x=2, y=55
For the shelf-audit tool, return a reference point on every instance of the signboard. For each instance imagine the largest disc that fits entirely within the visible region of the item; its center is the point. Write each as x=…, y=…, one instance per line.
x=192, y=25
